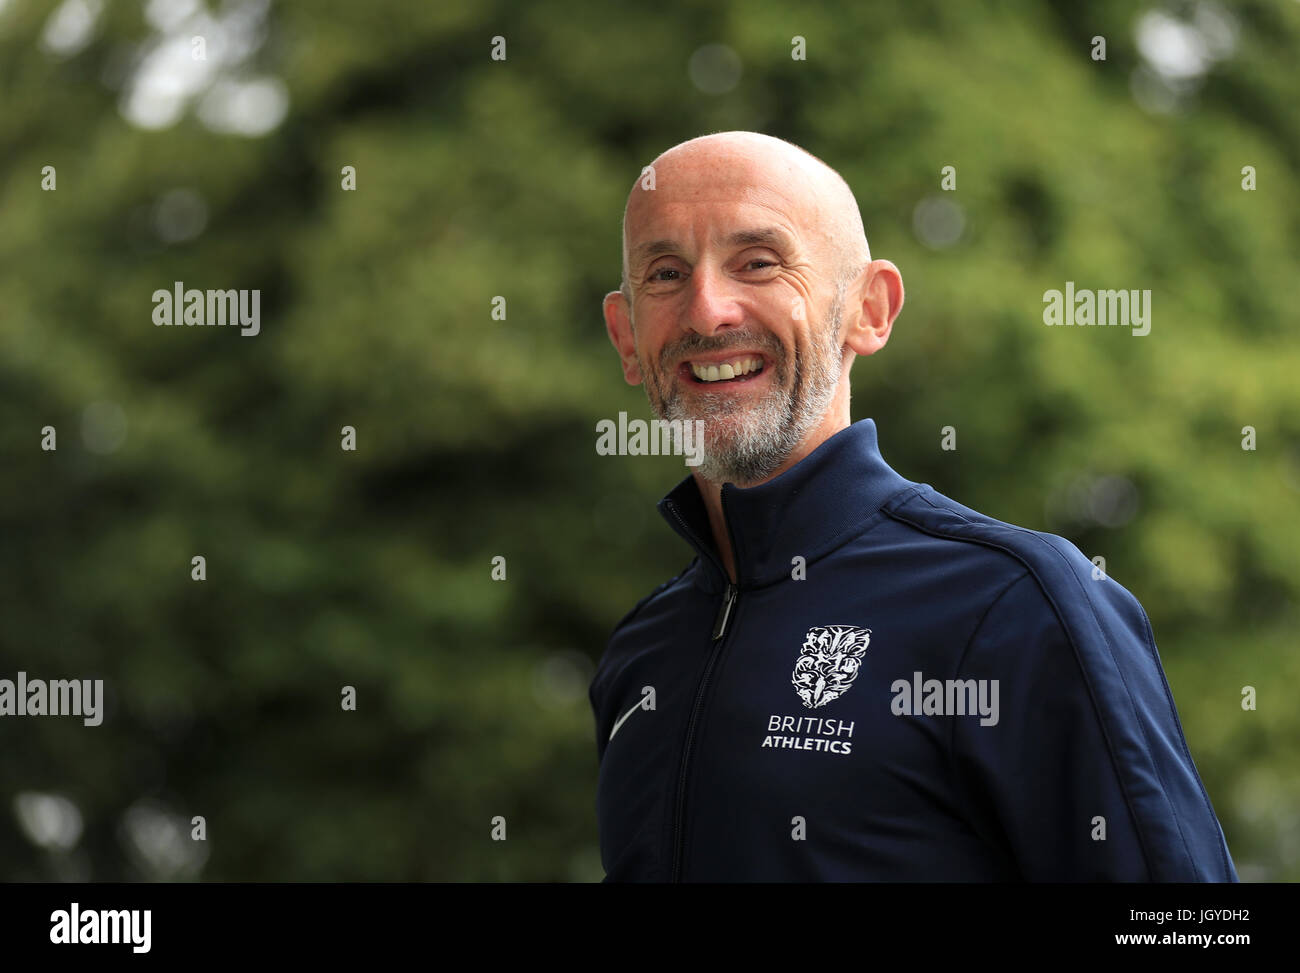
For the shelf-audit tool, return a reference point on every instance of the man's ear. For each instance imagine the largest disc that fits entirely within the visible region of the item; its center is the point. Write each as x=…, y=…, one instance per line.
x=881, y=288
x=619, y=326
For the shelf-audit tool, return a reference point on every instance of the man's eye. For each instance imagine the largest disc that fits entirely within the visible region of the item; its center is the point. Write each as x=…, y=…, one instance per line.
x=760, y=261
x=663, y=270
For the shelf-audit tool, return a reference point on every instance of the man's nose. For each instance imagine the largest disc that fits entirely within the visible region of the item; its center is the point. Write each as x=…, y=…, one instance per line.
x=714, y=301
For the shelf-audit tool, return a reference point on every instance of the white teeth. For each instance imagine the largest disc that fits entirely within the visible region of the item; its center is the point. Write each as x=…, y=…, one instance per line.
x=728, y=370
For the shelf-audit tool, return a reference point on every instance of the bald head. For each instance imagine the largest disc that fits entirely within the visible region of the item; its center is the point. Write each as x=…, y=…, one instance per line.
x=741, y=161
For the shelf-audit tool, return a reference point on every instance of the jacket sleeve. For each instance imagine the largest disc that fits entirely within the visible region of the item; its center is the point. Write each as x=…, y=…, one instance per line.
x=1086, y=775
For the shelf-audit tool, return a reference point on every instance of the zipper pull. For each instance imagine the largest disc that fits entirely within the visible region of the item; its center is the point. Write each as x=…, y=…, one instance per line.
x=724, y=612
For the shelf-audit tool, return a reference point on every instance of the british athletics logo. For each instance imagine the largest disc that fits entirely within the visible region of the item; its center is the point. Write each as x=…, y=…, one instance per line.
x=827, y=665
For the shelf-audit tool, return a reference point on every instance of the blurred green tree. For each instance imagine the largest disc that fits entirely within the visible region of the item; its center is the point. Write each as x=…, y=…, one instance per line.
x=476, y=179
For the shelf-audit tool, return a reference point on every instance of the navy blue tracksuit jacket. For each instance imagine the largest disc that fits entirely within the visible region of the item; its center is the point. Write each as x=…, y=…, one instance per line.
x=896, y=688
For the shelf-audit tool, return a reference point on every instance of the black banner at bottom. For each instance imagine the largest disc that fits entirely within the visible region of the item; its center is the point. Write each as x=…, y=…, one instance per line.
x=335, y=923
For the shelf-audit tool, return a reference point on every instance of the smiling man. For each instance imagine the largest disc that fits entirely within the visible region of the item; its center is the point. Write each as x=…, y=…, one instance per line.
x=856, y=678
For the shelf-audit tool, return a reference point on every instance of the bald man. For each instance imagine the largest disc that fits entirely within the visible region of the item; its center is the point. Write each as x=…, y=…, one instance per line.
x=856, y=678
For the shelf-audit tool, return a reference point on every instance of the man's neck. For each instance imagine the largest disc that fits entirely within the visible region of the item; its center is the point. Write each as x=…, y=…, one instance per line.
x=712, y=492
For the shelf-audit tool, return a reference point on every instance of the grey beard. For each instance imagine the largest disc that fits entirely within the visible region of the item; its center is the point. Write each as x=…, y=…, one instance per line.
x=747, y=444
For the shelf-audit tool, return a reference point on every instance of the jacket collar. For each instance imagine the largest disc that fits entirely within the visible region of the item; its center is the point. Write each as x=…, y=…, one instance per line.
x=809, y=510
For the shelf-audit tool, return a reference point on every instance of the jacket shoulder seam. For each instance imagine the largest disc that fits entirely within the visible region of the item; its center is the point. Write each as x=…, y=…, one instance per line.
x=961, y=660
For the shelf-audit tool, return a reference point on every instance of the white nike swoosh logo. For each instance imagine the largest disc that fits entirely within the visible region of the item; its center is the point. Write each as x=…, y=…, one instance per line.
x=624, y=717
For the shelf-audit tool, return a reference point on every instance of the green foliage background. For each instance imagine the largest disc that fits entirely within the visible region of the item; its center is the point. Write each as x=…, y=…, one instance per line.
x=478, y=178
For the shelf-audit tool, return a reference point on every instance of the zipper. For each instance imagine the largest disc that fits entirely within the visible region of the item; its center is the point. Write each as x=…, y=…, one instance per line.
x=726, y=611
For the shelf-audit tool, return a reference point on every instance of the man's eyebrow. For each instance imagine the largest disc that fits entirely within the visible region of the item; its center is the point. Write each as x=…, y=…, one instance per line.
x=655, y=248
x=749, y=238
x=754, y=238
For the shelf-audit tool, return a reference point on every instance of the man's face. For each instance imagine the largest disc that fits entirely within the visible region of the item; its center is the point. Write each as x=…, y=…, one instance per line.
x=720, y=298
